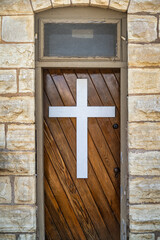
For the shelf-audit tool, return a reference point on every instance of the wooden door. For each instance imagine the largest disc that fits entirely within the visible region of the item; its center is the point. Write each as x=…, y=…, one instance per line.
x=82, y=208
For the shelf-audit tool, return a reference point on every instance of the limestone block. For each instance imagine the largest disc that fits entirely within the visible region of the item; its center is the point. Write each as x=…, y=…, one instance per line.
x=24, y=190
x=8, y=81
x=144, y=163
x=2, y=136
x=142, y=28
x=100, y=3
x=143, y=55
x=147, y=236
x=24, y=25
x=144, y=6
x=26, y=80
x=0, y=29
x=144, y=80
x=144, y=218
x=41, y=5
x=159, y=26
x=7, y=237
x=17, y=109
x=144, y=190
x=17, y=218
x=5, y=190
x=61, y=3
x=121, y=5
x=80, y=2
x=144, y=108
x=27, y=237
x=17, y=55
x=21, y=137
x=17, y=163
x=144, y=135
x=11, y=7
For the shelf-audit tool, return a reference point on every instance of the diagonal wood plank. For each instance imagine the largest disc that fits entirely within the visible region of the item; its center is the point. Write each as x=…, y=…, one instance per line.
x=93, y=151
x=69, y=131
x=97, y=83
x=55, y=212
x=84, y=191
x=71, y=166
x=95, y=187
x=51, y=230
x=106, y=154
x=100, y=95
x=112, y=85
x=62, y=199
x=69, y=186
x=94, y=203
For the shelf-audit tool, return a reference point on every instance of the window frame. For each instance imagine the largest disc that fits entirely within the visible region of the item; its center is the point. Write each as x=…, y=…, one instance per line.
x=42, y=22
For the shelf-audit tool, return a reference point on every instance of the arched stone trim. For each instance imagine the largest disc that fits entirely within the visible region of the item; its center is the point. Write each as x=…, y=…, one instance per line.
x=15, y=7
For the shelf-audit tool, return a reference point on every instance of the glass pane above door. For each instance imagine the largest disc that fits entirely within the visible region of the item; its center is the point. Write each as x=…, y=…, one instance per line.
x=80, y=40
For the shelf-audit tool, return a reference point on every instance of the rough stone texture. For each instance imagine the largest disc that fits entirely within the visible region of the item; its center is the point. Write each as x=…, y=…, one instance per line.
x=144, y=190
x=11, y=7
x=144, y=108
x=144, y=135
x=7, y=237
x=17, y=218
x=61, y=3
x=17, y=55
x=148, y=236
x=143, y=81
x=80, y=2
x=121, y=5
x=99, y=3
x=27, y=237
x=2, y=136
x=20, y=163
x=0, y=28
x=25, y=190
x=144, y=163
x=41, y=5
x=26, y=80
x=5, y=190
x=144, y=218
x=17, y=109
x=142, y=28
x=8, y=81
x=21, y=137
x=152, y=6
x=143, y=55
x=25, y=26
x=159, y=27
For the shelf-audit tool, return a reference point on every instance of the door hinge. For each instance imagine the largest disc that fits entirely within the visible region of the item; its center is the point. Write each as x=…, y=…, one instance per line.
x=36, y=36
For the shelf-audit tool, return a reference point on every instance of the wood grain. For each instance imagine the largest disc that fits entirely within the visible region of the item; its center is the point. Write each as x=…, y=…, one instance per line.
x=87, y=209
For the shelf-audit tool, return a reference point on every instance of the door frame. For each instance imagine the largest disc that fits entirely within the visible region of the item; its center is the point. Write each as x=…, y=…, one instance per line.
x=123, y=148
x=85, y=63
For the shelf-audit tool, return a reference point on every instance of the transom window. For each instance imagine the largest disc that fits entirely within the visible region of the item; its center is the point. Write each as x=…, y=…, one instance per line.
x=81, y=34
x=80, y=39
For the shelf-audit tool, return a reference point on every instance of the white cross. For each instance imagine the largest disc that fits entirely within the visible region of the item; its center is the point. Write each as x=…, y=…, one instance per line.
x=82, y=112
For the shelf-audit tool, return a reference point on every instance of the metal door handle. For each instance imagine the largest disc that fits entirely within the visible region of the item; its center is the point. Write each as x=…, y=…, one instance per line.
x=116, y=171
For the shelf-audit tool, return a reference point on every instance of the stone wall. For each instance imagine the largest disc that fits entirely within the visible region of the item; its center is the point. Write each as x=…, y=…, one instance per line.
x=17, y=114
x=17, y=121
x=144, y=119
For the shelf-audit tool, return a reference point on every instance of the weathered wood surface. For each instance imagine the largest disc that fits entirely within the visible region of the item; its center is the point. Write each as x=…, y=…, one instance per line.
x=81, y=208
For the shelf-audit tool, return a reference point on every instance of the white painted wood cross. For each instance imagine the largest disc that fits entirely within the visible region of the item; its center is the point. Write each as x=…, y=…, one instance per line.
x=82, y=112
